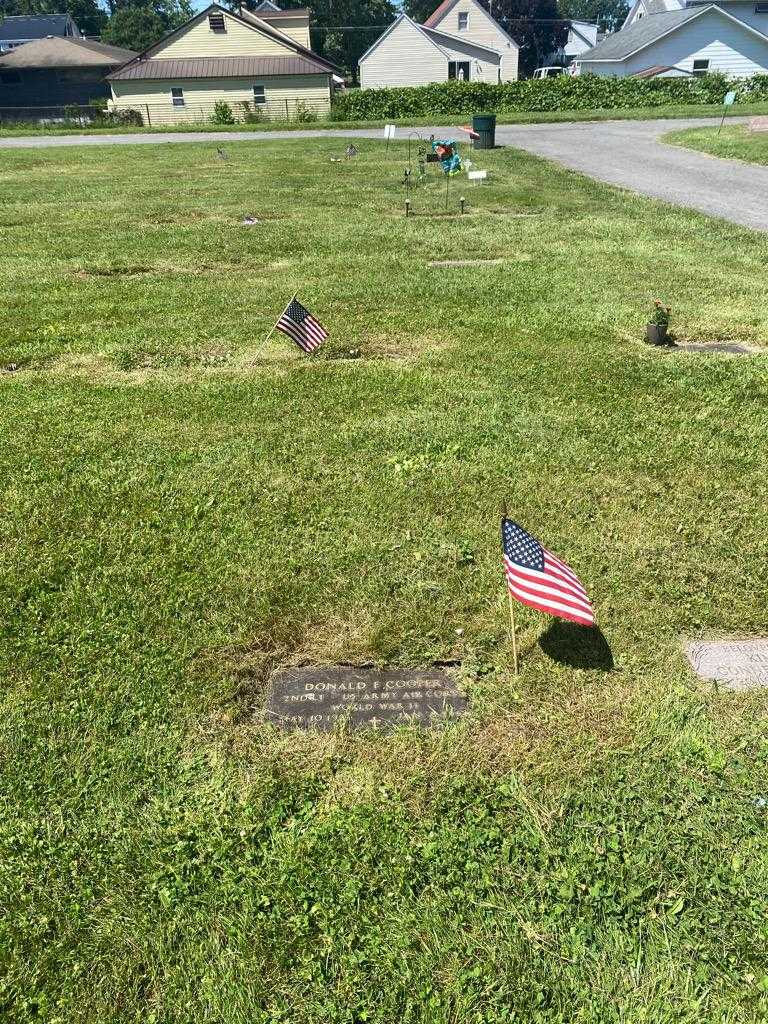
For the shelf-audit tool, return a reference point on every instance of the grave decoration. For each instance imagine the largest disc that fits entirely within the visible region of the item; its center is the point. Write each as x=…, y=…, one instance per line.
x=658, y=325
x=318, y=697
x=447, y=152
x=541, y=580
x=298, y=324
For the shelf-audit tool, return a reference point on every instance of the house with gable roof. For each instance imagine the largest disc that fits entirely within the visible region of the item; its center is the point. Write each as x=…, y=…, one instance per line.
x=255, y=61
x=18, y=29
x=673, y=38
x=459, y=40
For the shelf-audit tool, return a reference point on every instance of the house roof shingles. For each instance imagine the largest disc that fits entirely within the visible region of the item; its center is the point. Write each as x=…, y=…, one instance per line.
x=33, y=26
x=61, y=52
x=218, y=67
x=640, y=34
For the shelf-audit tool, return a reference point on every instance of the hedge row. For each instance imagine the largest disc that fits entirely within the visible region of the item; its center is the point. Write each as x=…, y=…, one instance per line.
x=566, y=92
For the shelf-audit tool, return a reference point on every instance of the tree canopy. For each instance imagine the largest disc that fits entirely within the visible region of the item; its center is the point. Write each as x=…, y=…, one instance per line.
x=607, y=14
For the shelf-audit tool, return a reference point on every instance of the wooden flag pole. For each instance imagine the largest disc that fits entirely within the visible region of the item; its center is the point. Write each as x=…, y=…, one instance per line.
x=514, y=632
x=511, y=605
x=260, y=349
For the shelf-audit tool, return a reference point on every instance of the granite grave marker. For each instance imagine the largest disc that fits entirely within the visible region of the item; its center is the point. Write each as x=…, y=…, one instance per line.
x=737, y=664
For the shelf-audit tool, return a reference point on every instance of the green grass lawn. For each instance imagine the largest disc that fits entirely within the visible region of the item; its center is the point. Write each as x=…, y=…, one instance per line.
x=524, y=117
x=735, y=142
x=182, y=512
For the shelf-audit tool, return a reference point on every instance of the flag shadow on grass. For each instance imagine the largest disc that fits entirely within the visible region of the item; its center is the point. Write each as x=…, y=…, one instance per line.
x=577, y=646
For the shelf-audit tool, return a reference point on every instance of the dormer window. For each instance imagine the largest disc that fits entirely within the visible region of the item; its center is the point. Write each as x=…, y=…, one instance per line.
x=216, y=22
x=463, y=21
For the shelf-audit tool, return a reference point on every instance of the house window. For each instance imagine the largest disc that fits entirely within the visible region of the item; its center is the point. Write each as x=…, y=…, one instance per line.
x=700, y=67
x=761, y=8
x=9, y=77
x=177, y=97
x=216, y=23
x=259, y=98
x=463, y=21
x=458, y=69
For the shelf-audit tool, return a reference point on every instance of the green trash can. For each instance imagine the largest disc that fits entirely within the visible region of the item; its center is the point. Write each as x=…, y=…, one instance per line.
x=485, y=126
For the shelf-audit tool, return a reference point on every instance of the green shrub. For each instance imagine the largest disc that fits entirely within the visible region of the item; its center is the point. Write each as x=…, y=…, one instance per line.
x=303, y=113
x=251, y=113
x=222, y=113
x=566, y=92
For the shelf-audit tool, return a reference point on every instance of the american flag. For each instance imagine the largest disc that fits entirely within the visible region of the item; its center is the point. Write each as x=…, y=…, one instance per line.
x=299, y=324
x=540, y=579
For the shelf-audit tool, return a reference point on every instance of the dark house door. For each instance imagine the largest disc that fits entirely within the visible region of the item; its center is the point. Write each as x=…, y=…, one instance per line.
x=459, y=69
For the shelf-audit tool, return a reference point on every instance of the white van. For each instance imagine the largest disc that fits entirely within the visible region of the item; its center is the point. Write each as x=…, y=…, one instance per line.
x=549, y=72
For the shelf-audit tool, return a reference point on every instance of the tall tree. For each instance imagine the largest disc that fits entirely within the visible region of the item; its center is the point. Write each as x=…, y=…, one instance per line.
x=135, y=28
x=136, y=24
x=536, y=25
x=607, y=14
x=342, y=30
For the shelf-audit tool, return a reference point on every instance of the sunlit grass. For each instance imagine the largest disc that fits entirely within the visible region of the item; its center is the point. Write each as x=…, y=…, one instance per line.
x=734, y=142
x=183, y=509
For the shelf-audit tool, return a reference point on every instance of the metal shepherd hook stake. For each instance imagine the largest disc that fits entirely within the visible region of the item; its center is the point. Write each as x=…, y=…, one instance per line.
x=511, y=603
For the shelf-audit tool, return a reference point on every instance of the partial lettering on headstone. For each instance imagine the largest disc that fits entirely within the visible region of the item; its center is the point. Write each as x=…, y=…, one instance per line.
x=737, y=664
x=318, y=697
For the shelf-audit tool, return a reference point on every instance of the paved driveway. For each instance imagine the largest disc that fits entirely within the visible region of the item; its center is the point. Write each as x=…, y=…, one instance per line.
x=624, y=153
x=629, y=154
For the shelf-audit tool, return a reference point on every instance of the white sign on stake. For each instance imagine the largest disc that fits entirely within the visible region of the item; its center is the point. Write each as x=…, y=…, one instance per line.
x=389, y=131
x=477, y=175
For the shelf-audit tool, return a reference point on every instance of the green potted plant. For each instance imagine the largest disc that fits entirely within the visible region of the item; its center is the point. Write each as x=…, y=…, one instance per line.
x=656, y=331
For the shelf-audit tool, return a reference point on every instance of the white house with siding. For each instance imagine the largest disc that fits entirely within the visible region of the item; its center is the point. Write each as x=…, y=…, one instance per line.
x=257, y=62
x=459, y=40
x=729, y=37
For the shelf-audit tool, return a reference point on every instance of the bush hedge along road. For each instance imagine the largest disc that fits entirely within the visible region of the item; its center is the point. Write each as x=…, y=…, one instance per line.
x=583, y=92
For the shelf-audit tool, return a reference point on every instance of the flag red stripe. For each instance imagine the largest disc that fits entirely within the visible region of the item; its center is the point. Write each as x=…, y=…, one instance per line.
x=547, y=596
x=551, y=608
x=535, y=576
x=539, y=591
x=566, y=569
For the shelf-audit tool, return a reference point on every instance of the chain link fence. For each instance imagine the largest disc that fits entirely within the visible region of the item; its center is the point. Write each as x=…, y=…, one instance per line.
x=122, y=113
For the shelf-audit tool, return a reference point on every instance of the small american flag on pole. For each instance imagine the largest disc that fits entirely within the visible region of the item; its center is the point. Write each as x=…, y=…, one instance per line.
x=540, y=579
x=299, y=324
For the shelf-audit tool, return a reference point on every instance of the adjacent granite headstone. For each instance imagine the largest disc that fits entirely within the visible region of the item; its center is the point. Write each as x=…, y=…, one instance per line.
x=465, y=263
x=737, y=664
x=713, y=348
x=319, y=697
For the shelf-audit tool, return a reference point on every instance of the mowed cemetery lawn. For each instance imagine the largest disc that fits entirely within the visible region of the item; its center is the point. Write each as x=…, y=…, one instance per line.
x=734, y=142
x=181, y=514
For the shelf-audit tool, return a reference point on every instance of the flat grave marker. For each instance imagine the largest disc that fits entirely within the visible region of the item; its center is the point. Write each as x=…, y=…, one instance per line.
x=465, y=263
x=737, y=664
x=317, y=697
x=711, y=348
